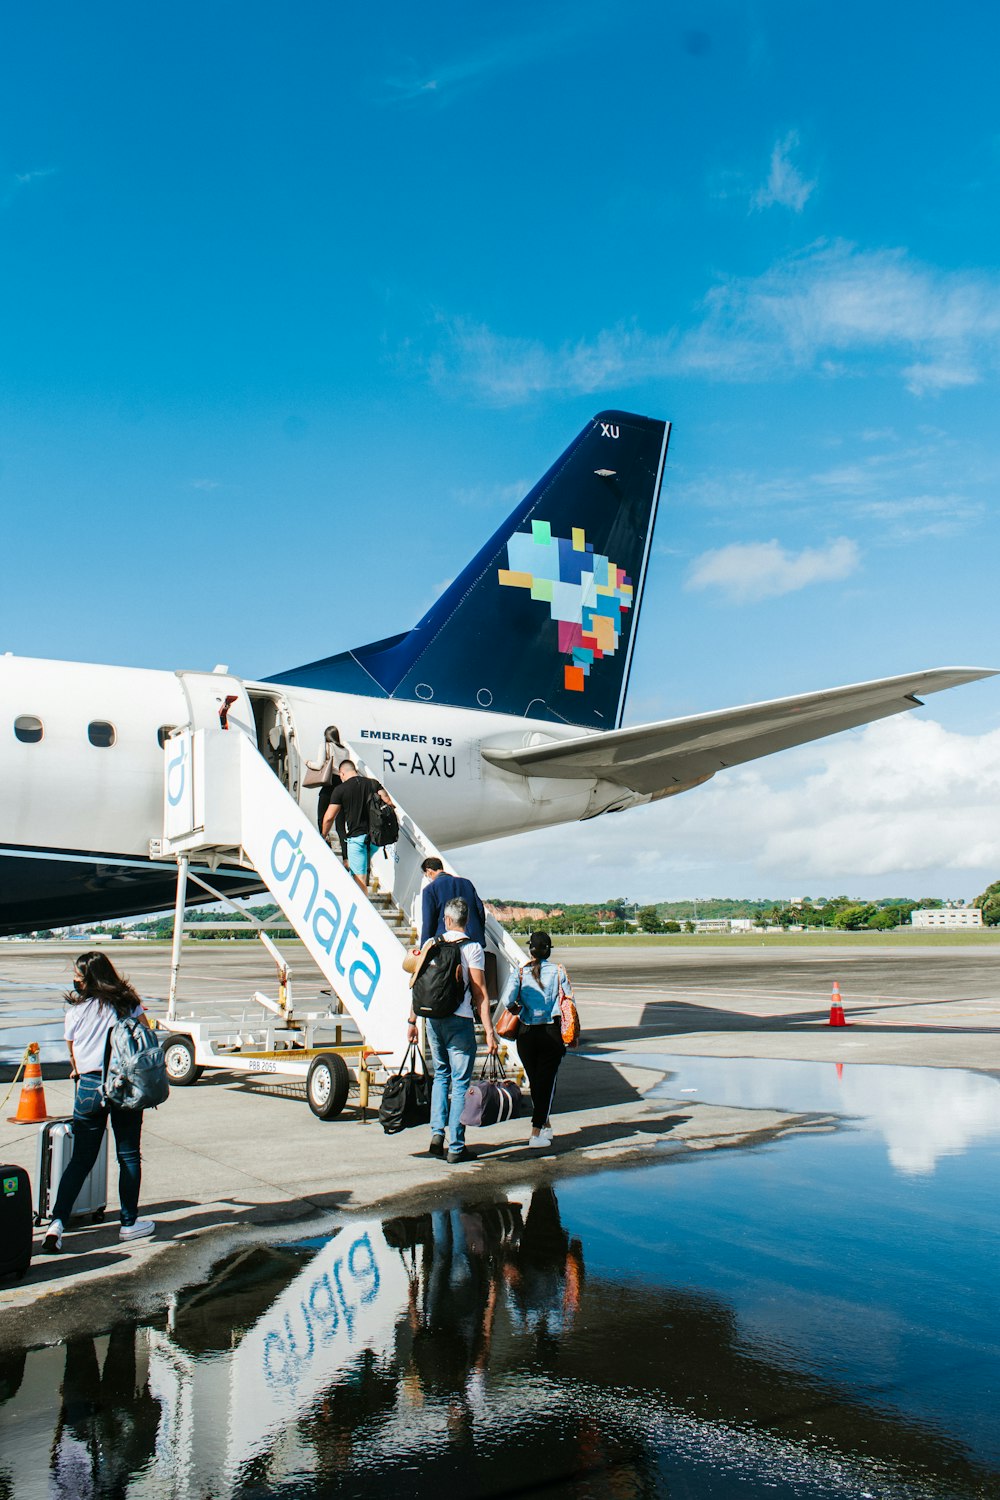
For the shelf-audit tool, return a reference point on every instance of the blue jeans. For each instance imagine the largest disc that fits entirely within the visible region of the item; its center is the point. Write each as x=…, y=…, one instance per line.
x=452, y=1041
x=90, y=1116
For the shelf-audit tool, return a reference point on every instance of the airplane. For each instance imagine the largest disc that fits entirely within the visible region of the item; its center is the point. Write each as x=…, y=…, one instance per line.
x=499, y=712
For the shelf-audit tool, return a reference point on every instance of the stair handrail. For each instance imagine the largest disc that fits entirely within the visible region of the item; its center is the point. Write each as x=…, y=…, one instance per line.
x=401, y=876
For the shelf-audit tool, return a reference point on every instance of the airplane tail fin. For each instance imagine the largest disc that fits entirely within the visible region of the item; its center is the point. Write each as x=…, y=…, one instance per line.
x=542, y=622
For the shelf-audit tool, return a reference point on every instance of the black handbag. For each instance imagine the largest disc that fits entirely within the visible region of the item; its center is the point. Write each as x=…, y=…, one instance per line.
x=406, y=1098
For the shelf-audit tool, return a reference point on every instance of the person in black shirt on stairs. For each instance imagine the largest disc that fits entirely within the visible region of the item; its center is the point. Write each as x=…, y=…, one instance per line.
x=349, y=809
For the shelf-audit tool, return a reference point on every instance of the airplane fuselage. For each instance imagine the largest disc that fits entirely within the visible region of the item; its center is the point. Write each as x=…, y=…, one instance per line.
x=81, y=774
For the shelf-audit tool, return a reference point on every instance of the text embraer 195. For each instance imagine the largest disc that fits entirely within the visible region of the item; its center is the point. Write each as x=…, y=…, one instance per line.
x=500, y=711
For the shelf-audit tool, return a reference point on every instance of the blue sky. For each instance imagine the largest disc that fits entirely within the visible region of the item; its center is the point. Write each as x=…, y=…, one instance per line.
x=269, y=274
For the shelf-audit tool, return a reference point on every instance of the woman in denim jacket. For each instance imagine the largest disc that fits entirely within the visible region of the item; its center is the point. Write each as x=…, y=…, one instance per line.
x=533, y=995
x=99, y=998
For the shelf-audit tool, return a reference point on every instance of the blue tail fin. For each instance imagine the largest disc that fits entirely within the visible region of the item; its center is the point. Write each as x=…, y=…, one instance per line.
x=542, y=622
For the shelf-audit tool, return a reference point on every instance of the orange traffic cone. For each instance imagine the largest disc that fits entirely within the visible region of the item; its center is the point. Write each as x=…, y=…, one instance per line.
x=840, y=1071
x=836, y=1007
x=31, y=1109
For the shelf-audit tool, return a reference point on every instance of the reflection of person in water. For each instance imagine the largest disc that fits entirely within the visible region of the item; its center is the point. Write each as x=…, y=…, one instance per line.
x=107, y=1427
x=464, y=1266
x=544, y=1269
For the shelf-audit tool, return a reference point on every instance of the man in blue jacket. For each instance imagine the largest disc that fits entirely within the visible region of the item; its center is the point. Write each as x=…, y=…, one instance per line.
x=441, y=889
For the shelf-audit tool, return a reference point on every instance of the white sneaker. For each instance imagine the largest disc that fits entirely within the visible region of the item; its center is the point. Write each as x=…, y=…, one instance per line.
x=545, y=1135
x=539, y=1140
x=137, y=1231
x=52, y=1243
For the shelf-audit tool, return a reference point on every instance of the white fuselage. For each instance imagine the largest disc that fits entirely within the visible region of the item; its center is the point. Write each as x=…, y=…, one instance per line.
x=65, y=789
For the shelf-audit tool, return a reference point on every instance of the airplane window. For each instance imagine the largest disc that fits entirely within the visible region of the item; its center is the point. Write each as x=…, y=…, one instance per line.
x=28, y=729
x=163, y=734
x=101, y=733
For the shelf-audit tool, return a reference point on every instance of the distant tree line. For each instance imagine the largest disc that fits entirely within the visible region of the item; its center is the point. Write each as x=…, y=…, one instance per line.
x=989, y=902
x=617, y=915
x=162, y=928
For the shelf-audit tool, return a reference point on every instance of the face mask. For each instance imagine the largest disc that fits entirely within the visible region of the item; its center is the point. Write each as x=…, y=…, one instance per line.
x=78, y=986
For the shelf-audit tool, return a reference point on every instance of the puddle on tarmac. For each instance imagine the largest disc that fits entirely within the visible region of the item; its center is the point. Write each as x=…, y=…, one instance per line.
x=921, y=1114
x=815, y=1318
x=40, y=1007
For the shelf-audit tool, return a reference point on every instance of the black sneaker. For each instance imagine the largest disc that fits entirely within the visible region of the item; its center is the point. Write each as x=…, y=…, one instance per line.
x=454, y=1157
x=436, y=1147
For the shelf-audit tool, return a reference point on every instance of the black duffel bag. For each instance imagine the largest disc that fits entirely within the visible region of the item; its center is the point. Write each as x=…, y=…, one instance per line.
x=406, y=1098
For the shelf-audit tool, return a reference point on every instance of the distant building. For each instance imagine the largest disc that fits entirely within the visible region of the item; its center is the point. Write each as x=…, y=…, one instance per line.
x=726, y=924
x=947, y=916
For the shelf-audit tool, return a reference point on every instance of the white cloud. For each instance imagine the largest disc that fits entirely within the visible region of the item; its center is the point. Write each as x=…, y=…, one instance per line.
x=928, y=487
x=442, y=83
x=835, y=300
x=505, y=371
x=785, y=186
x=24, y=178
x=902, y=796
x=909, y=516
x=901, y=807
x=13, y=184
x=943, y=376
x=832, y=309
x=746, y=572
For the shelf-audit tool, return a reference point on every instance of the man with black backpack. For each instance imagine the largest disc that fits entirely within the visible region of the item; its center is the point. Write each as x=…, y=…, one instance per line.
x=365, y=816
x=449, y=978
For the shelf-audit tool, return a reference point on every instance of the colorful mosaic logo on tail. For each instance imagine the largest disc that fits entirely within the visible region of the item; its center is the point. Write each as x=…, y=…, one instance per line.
x=586, y=593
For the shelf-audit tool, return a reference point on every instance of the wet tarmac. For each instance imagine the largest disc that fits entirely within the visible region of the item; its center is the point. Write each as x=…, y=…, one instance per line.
x=817, y=1317
x=334, y=1313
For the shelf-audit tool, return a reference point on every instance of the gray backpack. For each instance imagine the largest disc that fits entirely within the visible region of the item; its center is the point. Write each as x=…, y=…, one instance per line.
x=135, y=1070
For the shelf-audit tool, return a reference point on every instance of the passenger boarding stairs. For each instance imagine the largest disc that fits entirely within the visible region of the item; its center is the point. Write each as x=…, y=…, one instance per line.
x=224, y=805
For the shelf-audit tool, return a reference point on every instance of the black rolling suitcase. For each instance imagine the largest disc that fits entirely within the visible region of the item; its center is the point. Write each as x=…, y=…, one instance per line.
x=16, y=1222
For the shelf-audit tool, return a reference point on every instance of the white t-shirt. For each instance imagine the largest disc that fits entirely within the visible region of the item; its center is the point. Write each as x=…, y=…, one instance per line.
x=472, y=958
x=87, y=1025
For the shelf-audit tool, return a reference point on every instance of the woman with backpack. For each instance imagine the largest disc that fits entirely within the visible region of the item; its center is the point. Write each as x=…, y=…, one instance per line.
x=100, y=997
x=534, y=993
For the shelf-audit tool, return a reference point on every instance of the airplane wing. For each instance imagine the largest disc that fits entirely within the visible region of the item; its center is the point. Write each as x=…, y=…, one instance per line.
x=679, y=753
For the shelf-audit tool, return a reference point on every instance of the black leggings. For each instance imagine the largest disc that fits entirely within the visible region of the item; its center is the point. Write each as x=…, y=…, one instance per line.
x=541, y=1050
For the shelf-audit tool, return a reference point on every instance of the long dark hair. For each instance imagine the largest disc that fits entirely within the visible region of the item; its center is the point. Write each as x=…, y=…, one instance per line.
x=539, y=946
x=332, y=736
x=100, y=980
